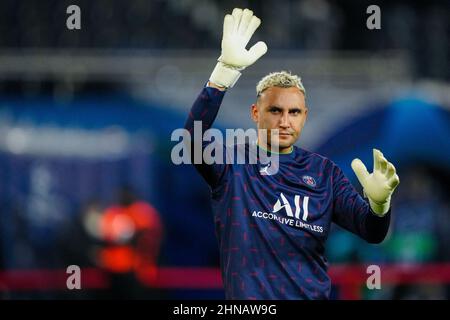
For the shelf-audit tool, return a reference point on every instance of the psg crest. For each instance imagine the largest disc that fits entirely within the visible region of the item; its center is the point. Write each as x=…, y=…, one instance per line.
x=309, y=181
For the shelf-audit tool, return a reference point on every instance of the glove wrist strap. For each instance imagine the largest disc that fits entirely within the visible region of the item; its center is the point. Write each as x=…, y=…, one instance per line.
x=380, y=209
x=224, y=75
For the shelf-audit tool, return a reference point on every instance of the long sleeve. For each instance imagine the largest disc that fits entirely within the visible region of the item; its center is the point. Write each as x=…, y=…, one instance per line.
x=205, y=109
x=353, y=213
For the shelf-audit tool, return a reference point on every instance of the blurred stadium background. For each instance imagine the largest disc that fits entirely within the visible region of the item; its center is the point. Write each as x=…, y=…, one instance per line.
x=86, y=118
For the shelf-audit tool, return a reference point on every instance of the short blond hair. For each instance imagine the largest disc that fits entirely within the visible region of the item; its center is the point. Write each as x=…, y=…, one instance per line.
x=283, y=79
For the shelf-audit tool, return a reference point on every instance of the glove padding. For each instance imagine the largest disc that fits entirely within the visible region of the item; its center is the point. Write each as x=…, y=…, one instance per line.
x=238, y=28
x=378, y=185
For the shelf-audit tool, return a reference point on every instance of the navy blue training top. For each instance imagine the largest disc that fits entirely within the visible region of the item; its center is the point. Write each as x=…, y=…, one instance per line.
x=272, y=228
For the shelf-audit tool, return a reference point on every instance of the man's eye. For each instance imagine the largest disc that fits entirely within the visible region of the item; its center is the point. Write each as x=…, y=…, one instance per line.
x=274, y=110
x=296, y=112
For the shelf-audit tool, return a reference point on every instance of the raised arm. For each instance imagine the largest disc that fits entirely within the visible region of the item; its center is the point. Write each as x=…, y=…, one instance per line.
x=367, y=219
x=238, y=28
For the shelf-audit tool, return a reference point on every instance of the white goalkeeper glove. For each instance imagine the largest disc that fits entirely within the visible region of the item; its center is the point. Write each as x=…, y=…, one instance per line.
x=378, y=185
x=238, y=28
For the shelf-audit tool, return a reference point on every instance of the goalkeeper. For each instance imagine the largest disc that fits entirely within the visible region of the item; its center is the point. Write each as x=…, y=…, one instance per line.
x=272, y=228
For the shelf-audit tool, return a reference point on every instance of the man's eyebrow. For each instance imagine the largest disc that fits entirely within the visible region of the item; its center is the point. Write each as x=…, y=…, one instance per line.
x=272, y=107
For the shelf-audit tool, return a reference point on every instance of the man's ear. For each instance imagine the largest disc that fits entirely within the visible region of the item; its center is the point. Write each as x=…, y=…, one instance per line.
x=254, y=113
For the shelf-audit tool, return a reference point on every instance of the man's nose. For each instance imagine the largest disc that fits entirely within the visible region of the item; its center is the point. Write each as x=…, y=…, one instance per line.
x=284, y=121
